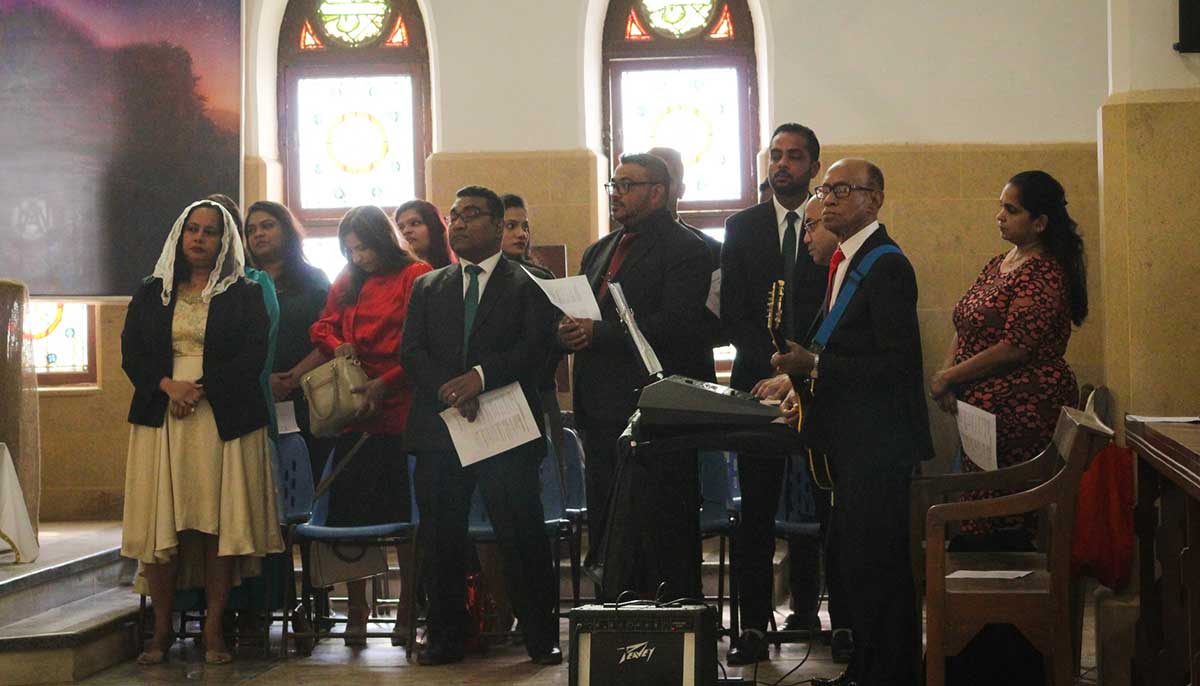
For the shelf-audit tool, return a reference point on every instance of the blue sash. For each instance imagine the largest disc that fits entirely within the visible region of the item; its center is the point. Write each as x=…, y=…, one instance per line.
x=849, y=286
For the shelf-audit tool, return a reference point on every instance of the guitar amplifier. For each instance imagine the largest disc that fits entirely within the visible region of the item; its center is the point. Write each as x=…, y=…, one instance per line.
x=643, y=645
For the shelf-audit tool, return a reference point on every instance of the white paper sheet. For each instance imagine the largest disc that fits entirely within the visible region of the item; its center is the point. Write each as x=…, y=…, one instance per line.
x=989, y=574
x=14, y=518
x=285, y=417
x=1161, y=420
x=977, y=430
x=503, y=423
x=714, y=293
x=573, y=295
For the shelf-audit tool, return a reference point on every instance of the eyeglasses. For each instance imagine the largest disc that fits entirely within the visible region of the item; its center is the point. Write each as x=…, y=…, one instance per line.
x=622, y=187
x=466, y=215
x=809, y=224
x=839, y=190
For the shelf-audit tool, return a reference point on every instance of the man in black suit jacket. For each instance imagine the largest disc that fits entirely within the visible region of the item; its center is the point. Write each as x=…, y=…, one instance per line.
x=450, y=365
x=869, y=417
x=665, y=272
x=752, y=260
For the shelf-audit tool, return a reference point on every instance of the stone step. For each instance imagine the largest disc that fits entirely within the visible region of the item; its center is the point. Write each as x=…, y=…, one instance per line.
x=46, y=586
x=72, y=641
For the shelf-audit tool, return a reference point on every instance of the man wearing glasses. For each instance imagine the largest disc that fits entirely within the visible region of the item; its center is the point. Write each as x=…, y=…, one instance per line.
x=869, y=417
x=478, y=325
x=665, y=272
x=762, y=246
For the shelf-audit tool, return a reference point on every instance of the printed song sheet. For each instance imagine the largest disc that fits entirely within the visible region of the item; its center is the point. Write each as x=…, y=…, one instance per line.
x=573, y=295
x=989, y=574
x=285, y=416
x=977, y=429
x=504, y=422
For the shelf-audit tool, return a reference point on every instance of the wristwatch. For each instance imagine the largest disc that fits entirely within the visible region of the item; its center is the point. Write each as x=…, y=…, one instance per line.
x=812, y=373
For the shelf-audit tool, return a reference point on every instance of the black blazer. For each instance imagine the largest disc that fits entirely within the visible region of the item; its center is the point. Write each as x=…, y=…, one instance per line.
x=510, y=339
x=666, y=276
x=869, y=398
x=751, y=262
x=235, y=351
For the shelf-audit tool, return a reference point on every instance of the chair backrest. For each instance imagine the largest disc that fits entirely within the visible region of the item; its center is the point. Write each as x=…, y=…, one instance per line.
x=320, y=506
x=573, y=460
x=553, y=501
x=796, y=502
x=1078, y=436
x=293, y=476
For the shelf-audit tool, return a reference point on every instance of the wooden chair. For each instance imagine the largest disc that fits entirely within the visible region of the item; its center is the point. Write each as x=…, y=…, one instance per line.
x=1037, y=604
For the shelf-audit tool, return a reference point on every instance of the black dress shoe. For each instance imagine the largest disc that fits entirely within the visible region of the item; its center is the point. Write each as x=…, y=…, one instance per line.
x=549, y=657
x=842, y=679
x=439, y=654
x=803, y=622
x=841, y=646
x=749, y=648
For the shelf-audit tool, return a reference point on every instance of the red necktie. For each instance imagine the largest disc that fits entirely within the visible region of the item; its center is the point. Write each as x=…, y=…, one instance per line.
x=614, y=264
x=838, y=258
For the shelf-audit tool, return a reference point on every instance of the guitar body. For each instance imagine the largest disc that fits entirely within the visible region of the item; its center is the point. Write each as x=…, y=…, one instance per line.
x=818, y=464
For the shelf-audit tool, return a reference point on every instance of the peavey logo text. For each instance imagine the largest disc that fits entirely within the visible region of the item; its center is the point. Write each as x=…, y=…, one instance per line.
x=637, y=651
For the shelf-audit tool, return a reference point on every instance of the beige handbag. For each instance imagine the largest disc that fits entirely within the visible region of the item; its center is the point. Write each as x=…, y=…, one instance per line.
x=331, y=405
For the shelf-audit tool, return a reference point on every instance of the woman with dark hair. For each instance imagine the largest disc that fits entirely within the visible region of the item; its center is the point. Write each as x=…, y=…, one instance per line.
x=1011, y=333
x=274, y=244
x=422, y=227
x=199, y=495
x=364, y=317
x=518, y=235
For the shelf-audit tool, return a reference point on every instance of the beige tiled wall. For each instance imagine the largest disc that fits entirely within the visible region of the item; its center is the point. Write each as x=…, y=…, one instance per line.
x=1150, y=151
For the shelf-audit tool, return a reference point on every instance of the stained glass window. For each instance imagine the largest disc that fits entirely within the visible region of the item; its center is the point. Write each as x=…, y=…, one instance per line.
x=694, y=111
x=676, y=19
x=399, y=37
x=59, y=332
x=356, y=141
x=724, y=27
x=634, y=29
x=308, y=38
x=353, y=22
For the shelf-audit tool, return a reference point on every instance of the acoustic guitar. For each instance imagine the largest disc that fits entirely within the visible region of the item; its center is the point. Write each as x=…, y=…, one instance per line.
x=818, y=464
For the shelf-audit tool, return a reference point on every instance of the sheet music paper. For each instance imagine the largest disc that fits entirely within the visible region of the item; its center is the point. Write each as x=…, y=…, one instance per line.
x=977, y=429
x=573, y=295
x=503, y=423
x=989, y=574
x=1161, y=420
x=285, y=417
x=649, y=358
x=714, y=293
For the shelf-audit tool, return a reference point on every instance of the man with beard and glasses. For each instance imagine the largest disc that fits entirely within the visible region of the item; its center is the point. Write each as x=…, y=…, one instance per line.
x=763, y=244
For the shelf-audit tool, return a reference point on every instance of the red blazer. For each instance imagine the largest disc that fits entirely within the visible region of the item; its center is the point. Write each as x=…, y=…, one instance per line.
x=374, y=325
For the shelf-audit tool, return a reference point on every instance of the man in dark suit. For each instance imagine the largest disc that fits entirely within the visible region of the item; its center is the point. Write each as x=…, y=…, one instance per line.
x=869, y=417
x=478, y=325
x=763, y=244
x=665, y=272
x=712, y=309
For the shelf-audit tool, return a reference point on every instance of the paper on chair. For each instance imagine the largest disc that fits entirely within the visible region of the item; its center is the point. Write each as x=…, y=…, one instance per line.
x=503, y=423
x=1161, y=420
x=977, y=430
x=285, y=417
x=573, y=295
x=990, y=574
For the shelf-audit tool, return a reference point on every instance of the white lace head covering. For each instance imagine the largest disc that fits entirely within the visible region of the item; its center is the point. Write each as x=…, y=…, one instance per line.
x=231, y=261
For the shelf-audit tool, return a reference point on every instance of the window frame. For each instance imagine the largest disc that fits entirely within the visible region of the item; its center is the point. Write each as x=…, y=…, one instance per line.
x=696, y=52
x=63, y=379
x=338, y=61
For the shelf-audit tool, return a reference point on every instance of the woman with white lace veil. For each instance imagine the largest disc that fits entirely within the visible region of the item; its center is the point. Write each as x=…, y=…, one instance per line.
x=199, y=497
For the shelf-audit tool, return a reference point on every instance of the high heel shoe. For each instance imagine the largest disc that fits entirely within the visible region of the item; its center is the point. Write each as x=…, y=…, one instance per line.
x=355, y=634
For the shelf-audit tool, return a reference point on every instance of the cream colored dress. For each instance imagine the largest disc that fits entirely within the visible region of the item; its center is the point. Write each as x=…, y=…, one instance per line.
x=182, y=476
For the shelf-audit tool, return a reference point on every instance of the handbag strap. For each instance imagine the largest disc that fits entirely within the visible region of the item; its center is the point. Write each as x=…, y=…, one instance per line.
x=337, y=468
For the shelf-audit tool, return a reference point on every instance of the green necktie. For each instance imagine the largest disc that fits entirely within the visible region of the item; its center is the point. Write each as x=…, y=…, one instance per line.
x=470, y=303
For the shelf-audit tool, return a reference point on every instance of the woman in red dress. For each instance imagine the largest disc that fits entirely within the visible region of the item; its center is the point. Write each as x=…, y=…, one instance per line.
x=364, y=317
x=1011, y=333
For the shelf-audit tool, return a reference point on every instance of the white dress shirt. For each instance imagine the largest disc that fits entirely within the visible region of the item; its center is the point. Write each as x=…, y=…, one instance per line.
x=849, y=247
x=488, y=266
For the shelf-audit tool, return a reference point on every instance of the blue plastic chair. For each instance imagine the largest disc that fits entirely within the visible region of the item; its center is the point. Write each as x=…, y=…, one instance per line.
x=719, y=517
x=395, y=534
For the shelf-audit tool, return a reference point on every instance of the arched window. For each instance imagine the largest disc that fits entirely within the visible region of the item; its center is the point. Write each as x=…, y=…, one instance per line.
x=353, y=106
x=681, y=74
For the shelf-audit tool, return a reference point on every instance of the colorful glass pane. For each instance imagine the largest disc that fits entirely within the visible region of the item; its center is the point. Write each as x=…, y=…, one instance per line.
x=60, y=336
x=399, y=37
x=724, y=27
x=356, y=141
x=308, y=38
x=694, y=111
x=353, y=22
x=634, y=29
x=675, y=19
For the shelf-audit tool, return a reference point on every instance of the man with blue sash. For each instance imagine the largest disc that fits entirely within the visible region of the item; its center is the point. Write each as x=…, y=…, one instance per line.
x=868, y=416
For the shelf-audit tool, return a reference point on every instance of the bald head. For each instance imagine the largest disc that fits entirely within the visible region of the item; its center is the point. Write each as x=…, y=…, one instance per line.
x=859, y=184
x=675, y=165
